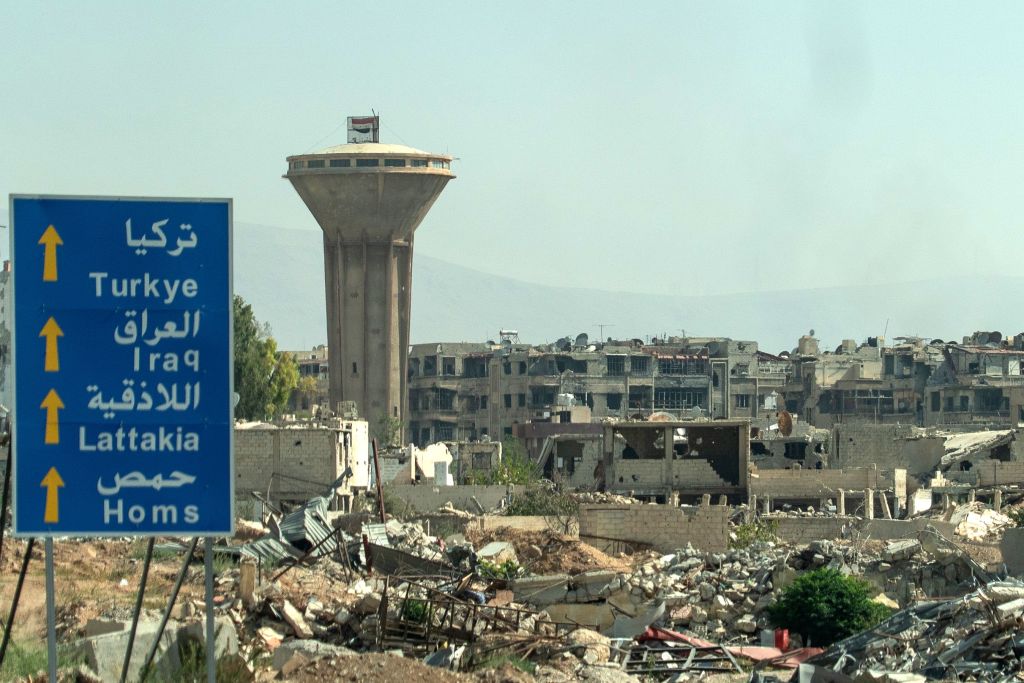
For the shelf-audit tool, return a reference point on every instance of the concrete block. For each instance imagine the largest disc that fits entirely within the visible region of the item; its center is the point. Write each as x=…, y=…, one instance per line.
x=541, y=590
x=309, y=649
x=104, y=654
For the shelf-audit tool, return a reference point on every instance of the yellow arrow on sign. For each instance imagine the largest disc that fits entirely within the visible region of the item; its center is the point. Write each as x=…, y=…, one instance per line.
x=50, y=240
x=52, y=482
x=51, y=330
x=52, y=403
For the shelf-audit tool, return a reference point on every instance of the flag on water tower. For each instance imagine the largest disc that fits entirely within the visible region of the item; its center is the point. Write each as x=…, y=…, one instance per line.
x=364, y=129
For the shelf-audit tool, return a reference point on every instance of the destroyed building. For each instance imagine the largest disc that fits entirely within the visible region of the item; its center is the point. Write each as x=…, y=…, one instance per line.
x=472, y=391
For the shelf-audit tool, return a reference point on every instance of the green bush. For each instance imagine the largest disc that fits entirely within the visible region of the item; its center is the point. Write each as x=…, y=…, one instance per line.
x=505, y=571
x=758, y=530
x=824, y=606
x=415, y=611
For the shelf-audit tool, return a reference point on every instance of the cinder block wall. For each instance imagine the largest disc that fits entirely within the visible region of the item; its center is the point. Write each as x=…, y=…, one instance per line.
x=996, y=472
x=255, y=460
x=664, y=527
x=886, y=445
x=426, y=498
x=294, y=464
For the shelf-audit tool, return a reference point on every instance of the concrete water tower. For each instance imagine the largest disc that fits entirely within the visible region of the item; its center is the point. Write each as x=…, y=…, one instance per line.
x=369, y=199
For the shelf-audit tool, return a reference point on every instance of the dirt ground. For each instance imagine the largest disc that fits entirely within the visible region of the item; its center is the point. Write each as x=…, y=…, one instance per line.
x=382, y=668
x=92, y=579
x=559, y=554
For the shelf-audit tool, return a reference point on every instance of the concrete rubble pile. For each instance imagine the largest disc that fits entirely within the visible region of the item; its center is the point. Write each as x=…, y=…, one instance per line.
x=977, y=637
x=977, y=522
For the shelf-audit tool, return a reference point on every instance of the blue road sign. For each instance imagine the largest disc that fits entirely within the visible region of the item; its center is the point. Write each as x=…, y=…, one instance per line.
x=122, y=345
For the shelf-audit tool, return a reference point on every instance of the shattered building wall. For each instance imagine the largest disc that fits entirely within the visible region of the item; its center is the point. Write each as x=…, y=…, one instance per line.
x=466, y=392
x=294, y=464
x=977, y=384
x=660, y=459
x=886, y=446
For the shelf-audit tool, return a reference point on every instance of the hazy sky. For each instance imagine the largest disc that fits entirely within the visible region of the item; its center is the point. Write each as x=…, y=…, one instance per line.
x=670, y=147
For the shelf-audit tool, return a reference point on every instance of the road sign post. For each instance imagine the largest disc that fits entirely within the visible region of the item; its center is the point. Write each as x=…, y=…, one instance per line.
x=122, y=349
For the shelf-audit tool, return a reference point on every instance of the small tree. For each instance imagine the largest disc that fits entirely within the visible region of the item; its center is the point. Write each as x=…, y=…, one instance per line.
x=516, y=466
x=264, y=377
x=826, y=606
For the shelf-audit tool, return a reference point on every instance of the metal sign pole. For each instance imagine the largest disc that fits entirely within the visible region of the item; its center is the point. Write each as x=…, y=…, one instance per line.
x=51, y=613
x=211, y=659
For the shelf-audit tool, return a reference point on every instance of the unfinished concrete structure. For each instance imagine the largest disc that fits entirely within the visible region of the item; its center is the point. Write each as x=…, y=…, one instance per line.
x=663, y=461
x=369, y=199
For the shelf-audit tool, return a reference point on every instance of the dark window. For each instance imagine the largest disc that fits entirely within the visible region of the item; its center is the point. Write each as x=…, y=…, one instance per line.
x=614, y=401
x=522, y=367
x=522, y=400
x=394, y=162
x=448, y=366
x=742, y=400
x=948, y=404
x=367, y=162
x=965, y=403
x=341, y=163
x=445, y=432
x=507, y=368
x=315, y=163
x=935, y=401
x=616, y=365
x=483, y=402
x=418, y=163
x=640, y=365
x=508, y=400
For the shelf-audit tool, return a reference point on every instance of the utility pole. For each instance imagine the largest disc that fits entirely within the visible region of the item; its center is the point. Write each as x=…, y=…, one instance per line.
x=600, y=327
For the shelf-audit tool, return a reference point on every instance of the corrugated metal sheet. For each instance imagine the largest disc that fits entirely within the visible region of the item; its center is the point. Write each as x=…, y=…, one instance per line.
x=270, y=551
x=377, y=534
x=306, y=527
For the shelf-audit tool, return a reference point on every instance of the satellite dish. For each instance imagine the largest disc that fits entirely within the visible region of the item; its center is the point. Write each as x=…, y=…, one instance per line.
x=582, y=339
x=506, y=343
x=995, y=337
x=785, y=423
x=811, y=333
x=982, y=337
x=937, y=342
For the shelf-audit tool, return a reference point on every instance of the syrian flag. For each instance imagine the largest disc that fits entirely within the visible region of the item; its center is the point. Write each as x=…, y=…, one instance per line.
x=363, y=128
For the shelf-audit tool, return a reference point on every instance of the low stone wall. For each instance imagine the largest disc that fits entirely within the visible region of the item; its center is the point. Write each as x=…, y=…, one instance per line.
x=424, y=498
x=523, y=523
x=807, y=484
x=663, y=527
x=807, y=529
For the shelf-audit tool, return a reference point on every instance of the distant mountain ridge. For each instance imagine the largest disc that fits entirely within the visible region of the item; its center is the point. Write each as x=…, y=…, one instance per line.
x=455, y=303
x=280, y=272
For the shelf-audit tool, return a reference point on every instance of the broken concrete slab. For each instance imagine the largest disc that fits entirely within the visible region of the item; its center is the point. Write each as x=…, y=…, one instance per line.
x=541, y=590
x=293, y=617
x=590, y=615
x=497, y=552
x=311, y=650
x=225, y=636
x=104, y=654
